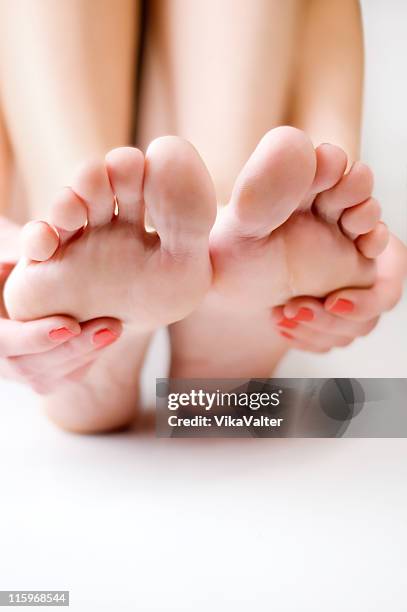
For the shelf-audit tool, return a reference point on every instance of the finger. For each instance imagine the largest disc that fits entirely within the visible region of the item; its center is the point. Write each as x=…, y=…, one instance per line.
x=313, y=337
x=310, y=313
x=295, y=343
x=70, y=356
x=80, y=372
x=18, y=338
x=45, y=386
x=365, y=304
x=304, y=307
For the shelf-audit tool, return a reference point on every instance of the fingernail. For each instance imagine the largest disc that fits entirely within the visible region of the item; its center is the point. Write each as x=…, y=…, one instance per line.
x=61, y=333
x=103, y=337
x=5, y=268
x=285, y=335
x=304, y=314
x=341, y=306
x=287, y=323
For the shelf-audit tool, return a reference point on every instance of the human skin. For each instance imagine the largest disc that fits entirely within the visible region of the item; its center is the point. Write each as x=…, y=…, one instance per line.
x=292, y=227
x=82, y=107
x=316, y=84
x=222, y=126
x=327, y=104
x=48, y=351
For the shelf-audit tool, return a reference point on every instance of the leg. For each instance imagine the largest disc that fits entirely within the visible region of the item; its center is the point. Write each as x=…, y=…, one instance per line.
x=235, y=98
x=66, y=73
x=329, y=82
x=211, y=75
x=9, y=245
x=5, y=165
x=146, y=280
x=217, y=81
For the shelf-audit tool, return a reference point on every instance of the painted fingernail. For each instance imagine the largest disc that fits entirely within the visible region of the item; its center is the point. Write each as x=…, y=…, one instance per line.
x=287, y=323
x=342, y=306
x=103, y=337
x=5, y=268
x=285, y=335
x=60, y=334
x=304, y=314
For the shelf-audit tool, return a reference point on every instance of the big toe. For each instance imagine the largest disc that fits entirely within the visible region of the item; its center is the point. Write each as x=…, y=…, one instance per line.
x=274, y=181
x=179, y=195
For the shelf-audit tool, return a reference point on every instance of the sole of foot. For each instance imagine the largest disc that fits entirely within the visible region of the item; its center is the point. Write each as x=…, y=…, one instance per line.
x=95, y=258
x=297, y=224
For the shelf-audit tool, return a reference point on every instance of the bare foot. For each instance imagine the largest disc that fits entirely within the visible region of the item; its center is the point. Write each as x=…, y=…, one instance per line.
x=293, y=227
x=113, y=266
x=101, y=259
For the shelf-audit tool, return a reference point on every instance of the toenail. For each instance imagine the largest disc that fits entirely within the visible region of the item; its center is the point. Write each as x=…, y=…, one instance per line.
x=285, y=335
x=342, y=306
x=61, y=333
x=103, y=337
x=287, y=323
x=304, y=314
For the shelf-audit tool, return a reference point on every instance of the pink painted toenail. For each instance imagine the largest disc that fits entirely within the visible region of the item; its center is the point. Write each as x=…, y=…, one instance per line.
x=342, y=306
x=103, y=337
x=287, y=323
x=285, y=335
x=60, y=334
x=304, y=314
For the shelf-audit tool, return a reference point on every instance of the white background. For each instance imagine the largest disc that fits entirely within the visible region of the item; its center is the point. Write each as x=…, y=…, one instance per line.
x=130, y=522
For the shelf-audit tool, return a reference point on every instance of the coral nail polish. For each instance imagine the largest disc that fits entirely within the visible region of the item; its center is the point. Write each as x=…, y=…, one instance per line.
x=304, y=314
x=285, y=335
x=5, y=268
x=61, y=333
x=287, y=323
x=342, y=306
x=103, y=337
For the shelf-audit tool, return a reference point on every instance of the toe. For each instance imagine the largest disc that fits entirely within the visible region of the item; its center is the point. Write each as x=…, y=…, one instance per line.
x=274, y=181
x=125, y=167
x=92, y=185
x=40, y=241
x=374, y=242
x=331, y=165
x=362, y=218
x=179, y=194
x=68, y=214
x=354, y=188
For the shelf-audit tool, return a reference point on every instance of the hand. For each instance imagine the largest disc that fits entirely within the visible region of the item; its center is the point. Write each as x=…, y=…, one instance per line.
x=318, y=326
x=48, y=352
